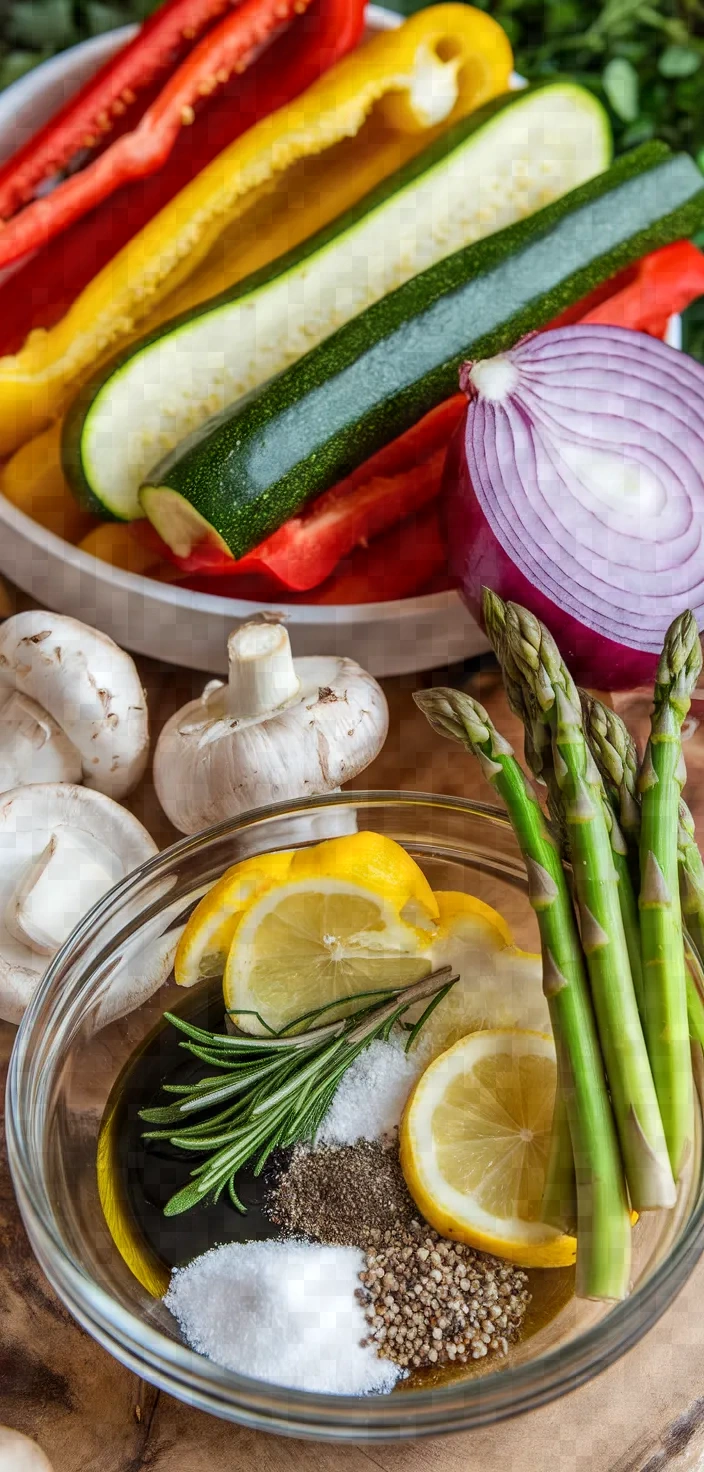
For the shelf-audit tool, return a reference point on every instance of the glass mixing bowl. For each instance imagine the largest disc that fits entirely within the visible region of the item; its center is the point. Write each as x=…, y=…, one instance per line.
x=71, y=1047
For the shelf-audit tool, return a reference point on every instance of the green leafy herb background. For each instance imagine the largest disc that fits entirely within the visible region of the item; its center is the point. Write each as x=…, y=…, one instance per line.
x=643, y=58
x=33, y=30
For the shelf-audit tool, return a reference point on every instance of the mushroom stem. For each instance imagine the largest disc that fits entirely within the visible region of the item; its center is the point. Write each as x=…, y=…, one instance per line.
x=70, y=875
x=33, y=747
x=261, y=676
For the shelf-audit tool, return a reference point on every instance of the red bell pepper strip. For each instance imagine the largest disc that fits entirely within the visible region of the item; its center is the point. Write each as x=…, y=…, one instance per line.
x=308, y=547
x=396, y=565
x=42, y=290
x=229, y=47
x=399, y=479
x=401, y=562
x=647, y=295
x=440, y=582
x=666, y=282
x=91, y=113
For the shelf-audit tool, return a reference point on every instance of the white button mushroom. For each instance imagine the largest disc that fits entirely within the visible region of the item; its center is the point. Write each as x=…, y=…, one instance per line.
x=19, y=1453
x=33, y=747
x=72, y=707
x=61, y=848
x=280, y=728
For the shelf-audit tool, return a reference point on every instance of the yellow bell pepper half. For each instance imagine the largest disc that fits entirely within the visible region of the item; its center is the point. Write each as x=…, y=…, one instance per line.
x=34, y=482
x=274, y=186
x=116, y=543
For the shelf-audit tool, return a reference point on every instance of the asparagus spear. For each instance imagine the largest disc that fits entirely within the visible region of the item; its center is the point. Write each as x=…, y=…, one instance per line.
x=691, y=875
x=695, y=991
x=559, y=1206
x=614, y=752
x=603, y=1260
x=660, y=784
x=537, y=745
x=691, y=872
x=559, y=1191
x=643, y=1143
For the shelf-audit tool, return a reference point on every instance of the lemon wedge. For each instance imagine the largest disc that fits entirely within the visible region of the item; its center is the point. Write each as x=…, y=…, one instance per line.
x=353, y=914
x=499, y=984
x=474, y=1145
x=463, y=915
x=206, y=940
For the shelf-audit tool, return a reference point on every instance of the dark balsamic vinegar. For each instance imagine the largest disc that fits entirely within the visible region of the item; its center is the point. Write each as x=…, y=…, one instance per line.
x=139, y=1176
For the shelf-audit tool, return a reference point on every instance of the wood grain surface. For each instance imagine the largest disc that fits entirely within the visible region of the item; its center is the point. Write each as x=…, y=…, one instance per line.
x=644, y=1414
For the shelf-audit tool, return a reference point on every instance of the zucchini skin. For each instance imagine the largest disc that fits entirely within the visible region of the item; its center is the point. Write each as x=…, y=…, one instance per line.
x=254, y=465
x=418, y=168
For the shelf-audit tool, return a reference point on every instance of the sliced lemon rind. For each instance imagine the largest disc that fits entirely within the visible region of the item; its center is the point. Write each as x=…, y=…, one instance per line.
x=456, y=906
x=379, y=864
x=391, y=942
x=203, y=947
x=452, y=1213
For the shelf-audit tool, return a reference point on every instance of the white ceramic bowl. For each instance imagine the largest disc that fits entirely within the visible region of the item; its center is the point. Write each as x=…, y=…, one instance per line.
x=175, y=624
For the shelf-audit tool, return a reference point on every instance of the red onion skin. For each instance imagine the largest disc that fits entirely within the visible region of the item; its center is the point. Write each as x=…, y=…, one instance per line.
x=477, y=560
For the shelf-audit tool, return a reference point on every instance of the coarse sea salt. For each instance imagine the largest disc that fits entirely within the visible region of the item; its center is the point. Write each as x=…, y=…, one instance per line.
x=372, y=1094
x=284, y=1312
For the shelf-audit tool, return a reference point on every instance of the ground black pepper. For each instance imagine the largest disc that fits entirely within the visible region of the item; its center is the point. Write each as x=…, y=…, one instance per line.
x=345, y=1195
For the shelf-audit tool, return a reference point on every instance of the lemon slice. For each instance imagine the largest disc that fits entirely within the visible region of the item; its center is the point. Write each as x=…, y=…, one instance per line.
x=499, y=985
x=206, y=940
x=353, y=914
x=474, y=1145
x=461, y=913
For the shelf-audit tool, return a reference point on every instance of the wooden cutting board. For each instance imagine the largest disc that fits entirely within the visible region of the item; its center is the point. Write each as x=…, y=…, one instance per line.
x=91, y=1415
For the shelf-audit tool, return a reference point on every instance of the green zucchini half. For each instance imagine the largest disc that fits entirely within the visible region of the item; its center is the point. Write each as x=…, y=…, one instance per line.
x=490, y=169
x=246, y=472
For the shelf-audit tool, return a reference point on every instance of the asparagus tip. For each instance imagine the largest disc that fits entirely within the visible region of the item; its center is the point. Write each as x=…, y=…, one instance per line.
x=494, y=612
x=456, y=714
x=680, y=662
x=536, y=657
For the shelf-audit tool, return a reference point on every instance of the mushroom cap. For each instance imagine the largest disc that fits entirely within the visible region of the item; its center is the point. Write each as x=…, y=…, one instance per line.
x=89, y=686
x=115, y=841
x=19, y=1453
x=209, y=765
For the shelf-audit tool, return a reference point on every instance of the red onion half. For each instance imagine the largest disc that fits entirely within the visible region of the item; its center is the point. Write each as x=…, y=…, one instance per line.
x=575, y=486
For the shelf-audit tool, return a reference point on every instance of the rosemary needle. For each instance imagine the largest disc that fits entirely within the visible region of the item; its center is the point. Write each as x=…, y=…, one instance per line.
x=280, y=1087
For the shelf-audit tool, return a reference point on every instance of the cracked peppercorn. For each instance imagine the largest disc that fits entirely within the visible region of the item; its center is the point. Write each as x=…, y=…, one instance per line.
x=430, y=1301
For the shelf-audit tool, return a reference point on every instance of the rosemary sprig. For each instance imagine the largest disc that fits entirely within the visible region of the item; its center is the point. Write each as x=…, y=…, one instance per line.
x=276, y=1090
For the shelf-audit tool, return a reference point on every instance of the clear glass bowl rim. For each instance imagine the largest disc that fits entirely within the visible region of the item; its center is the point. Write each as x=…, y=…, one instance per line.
x=189, y=1377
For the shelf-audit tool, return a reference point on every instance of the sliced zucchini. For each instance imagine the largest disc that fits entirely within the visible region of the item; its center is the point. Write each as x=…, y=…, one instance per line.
x=492, y=168
x=251, y=468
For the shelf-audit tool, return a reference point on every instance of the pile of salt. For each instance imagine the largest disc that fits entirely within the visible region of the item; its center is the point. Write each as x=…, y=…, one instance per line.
x=372, y=1093
x=284, y=1312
